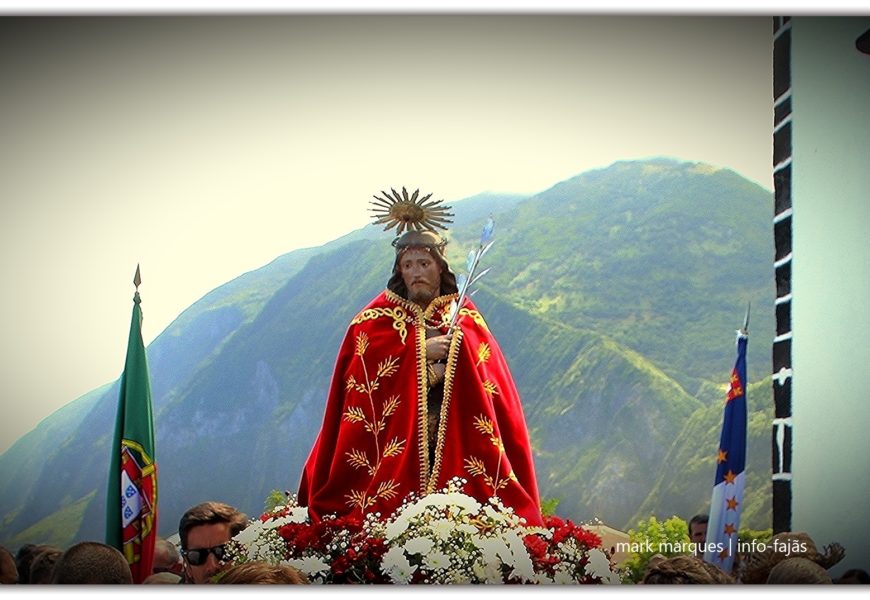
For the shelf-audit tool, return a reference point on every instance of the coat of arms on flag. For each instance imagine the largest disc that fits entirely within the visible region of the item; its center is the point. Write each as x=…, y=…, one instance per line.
x=138, y=474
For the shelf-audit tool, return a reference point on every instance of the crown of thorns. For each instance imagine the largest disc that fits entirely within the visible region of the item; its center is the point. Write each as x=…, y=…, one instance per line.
x=408, y=213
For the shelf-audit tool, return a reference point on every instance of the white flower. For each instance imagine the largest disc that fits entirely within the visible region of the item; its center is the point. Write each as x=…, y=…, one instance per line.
x=466, y=528
x=599, y=566
x=442, y=528
x=563, y=575
x=492, y=548
x=492, y=513
x=492, y=574
x=396, y=527
x=522, y=562
x=401, y=574
x=311, y=565
x=436, y=560
x=418, y=545
x=249, y=533
x=394, y=564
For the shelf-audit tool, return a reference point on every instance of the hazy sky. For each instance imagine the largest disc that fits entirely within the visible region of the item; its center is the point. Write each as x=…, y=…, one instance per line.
x=205, y=147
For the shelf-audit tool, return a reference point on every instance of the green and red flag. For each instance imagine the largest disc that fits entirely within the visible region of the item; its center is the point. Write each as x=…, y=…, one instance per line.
x=131, y=504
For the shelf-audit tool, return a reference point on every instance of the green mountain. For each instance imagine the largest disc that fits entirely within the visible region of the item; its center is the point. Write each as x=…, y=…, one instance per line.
x=674, y=492
x=614, y=296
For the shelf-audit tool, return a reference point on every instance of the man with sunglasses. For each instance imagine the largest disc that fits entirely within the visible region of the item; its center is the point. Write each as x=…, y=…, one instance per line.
x=205, y=530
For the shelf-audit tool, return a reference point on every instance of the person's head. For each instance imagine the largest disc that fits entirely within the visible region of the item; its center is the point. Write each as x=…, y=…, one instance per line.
x=262, y=572
x=24, y=558
x=685, y=569
x=162, y=578
x=698, y=528
x=90, y=563
x=853, y=576
x=8, y=569
x=204, y=531
x=785, y=545
x=798, y=570
x=42, y=567
x=420, y=272
x=166, y=558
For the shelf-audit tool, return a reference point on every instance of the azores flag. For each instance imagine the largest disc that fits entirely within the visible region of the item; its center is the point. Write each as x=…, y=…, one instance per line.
x=727, y=501
x=131, y=504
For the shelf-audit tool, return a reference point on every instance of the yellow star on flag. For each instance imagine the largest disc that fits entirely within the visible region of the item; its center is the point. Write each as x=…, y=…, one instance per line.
x=732, y=503
x=730, y=477
x=729, y=529
x=722, y=456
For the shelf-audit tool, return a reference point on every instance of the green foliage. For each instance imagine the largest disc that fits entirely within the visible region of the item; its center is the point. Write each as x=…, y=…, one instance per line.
x=274, y=499
x=652, y=537
x=746, y=535
x=548, y=506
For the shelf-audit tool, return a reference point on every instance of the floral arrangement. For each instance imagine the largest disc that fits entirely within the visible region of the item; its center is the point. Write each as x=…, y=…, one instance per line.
x=440, y=538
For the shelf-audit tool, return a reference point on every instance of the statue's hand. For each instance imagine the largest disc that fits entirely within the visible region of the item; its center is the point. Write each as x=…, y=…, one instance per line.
x=436, y=373
x=437, y=347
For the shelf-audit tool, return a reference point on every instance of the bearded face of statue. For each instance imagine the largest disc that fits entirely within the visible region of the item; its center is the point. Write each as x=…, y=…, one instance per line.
x=421, y=274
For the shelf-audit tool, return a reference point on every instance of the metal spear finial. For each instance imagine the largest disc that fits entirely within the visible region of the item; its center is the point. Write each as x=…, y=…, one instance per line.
x=745, y=330
x=137, y=279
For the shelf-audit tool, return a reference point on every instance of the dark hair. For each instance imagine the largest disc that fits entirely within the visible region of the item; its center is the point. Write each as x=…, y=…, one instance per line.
x=8, y=568
x=854, y=576
x=685, y=569
x=24, y=558
x=261, y=572
x=92, y=562
x=42, y=567
x=448, y=279
x=211, y=512
x=798, y=570
x=699, y=519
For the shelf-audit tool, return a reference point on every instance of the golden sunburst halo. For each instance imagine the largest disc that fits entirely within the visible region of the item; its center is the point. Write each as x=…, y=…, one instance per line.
x=409, y=212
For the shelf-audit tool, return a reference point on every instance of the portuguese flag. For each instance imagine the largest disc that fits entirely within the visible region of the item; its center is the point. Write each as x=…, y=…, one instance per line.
x=131, y=504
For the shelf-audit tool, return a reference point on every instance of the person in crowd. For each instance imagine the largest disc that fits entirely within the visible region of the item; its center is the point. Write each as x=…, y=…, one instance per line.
x=164, y=577
x=205, y=530
x=24, y=558
x=92, y=563
x=790, y=544
x=853, y=576
x=417, y=399
x=698, y=533
x=42, y=567
x=798, y=570
x=8, y=568
x=167, y=559
x=685, y=570
x=261, y=572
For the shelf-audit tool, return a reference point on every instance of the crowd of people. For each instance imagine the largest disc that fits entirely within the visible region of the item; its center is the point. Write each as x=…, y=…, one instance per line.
x=800, y=563
x=205, y=530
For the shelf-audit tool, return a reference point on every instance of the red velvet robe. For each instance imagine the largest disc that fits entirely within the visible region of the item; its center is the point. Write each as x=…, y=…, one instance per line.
x=372, y=449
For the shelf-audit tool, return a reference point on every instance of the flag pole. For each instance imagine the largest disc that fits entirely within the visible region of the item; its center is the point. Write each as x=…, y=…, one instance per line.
x=131, y=501
x=726, y=502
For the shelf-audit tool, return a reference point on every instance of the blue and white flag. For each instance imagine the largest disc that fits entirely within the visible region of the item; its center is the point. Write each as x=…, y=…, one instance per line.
x=726, y=504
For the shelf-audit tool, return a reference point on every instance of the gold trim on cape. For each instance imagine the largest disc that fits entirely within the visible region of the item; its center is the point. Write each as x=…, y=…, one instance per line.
x=449, y=373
